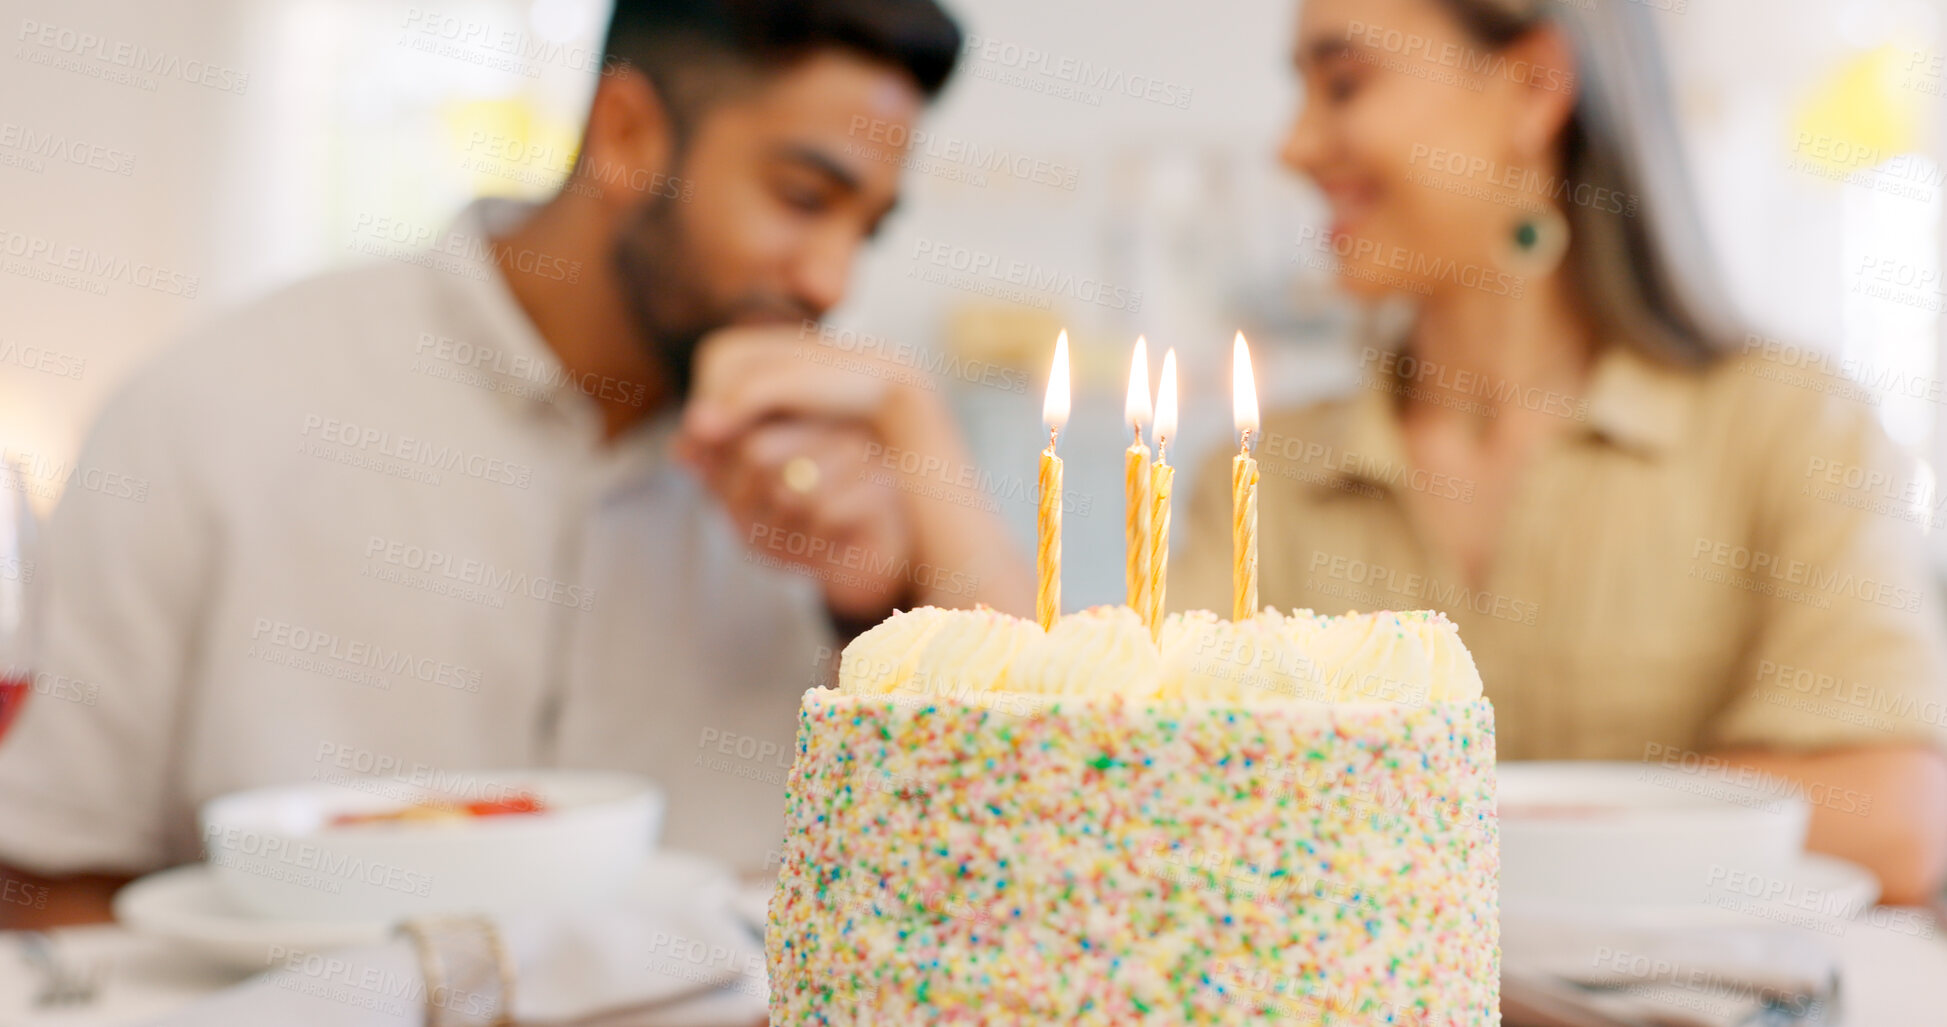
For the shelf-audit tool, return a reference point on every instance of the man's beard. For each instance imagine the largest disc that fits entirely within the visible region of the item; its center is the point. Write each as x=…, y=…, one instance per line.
x=670, y=302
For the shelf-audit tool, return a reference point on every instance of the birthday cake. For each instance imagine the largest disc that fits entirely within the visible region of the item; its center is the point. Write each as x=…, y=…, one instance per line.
x=1286, y=820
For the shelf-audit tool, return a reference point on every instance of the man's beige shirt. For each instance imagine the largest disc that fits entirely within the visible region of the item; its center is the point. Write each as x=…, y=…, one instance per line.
x=1706, y=559
x=380, y=542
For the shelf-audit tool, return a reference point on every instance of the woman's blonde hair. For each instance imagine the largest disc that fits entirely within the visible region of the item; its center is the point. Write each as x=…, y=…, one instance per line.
x=1648, y=277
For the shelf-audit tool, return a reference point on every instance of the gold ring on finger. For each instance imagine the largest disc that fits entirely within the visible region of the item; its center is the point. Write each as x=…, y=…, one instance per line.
x=801, y=475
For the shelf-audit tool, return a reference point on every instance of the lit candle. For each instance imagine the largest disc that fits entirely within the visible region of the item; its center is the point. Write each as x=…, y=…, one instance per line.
x=1135, y=484
x=1054, y=414
x=1162, y=482
x=1243, y=487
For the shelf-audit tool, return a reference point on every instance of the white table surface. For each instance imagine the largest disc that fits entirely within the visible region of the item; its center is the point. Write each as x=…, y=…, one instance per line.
x=1890, y=978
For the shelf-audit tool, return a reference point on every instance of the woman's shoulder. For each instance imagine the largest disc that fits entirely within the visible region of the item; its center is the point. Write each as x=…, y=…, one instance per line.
x=1788, y=422
x=1774, y=394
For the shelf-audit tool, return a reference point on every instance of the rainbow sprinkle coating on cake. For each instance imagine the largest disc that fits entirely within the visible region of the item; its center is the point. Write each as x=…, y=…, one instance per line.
x=989, y=824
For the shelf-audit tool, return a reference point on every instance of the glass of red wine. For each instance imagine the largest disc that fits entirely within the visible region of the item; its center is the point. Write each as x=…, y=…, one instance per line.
x=19, y=541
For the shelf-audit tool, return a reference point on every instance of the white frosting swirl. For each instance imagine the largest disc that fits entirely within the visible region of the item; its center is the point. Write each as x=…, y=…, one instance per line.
x=883, y=657
x=1301, y=627
x=1102, y=650
x=1454, y=676
x=1372, y=658
x=969, y=655
x=1206, y=658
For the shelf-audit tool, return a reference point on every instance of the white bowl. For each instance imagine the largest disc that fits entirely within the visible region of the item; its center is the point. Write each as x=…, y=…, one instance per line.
x=276, y=853
x=1631, y=834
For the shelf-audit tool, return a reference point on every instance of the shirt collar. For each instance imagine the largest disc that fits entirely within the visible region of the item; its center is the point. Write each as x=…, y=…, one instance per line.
x=1632, y=403
x=508, y=350
x=1639, y=404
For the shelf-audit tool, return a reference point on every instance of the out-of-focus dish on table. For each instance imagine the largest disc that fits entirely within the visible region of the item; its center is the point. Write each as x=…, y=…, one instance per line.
x=1594, y=835
x=501, y=842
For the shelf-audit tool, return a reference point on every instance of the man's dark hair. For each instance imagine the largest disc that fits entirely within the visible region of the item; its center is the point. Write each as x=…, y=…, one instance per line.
x=696, y=51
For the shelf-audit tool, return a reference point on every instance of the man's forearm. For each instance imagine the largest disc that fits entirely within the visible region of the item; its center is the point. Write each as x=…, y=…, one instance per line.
x=1884, y=808
x=971, y=559
x=963, y=553
x=36, y=903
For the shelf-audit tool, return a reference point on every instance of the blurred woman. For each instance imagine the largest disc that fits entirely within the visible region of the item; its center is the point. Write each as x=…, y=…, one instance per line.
x=1657, y=546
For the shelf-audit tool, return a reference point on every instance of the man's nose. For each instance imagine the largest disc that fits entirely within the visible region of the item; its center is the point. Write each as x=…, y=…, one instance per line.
x=823, y=270
x=1304, y=142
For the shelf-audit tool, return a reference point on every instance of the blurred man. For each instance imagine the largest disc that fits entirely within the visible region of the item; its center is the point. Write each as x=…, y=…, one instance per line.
x=564, y=489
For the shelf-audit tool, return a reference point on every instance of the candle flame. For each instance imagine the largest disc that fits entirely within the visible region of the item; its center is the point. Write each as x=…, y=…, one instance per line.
x=1166, y=403
x=1054, y=409
x=1243, y=388
x=1136, y=409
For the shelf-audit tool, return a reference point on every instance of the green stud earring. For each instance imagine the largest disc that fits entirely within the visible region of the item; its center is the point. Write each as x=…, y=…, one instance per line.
x=1540, y=241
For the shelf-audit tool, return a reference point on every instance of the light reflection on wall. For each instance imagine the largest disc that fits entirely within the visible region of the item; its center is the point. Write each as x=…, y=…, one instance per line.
x=390, y=116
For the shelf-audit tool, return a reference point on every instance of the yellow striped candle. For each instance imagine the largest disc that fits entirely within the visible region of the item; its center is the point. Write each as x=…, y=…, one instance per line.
x=1054, y=414
x=1135, y=485
x=1243, y=487
x=1162, y=484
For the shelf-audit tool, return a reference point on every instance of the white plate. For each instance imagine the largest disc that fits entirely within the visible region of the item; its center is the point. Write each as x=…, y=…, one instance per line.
x=1819, y=893
x=184, y=904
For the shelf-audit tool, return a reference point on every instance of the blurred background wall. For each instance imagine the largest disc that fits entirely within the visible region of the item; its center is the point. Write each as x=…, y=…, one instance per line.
x=160, y=161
